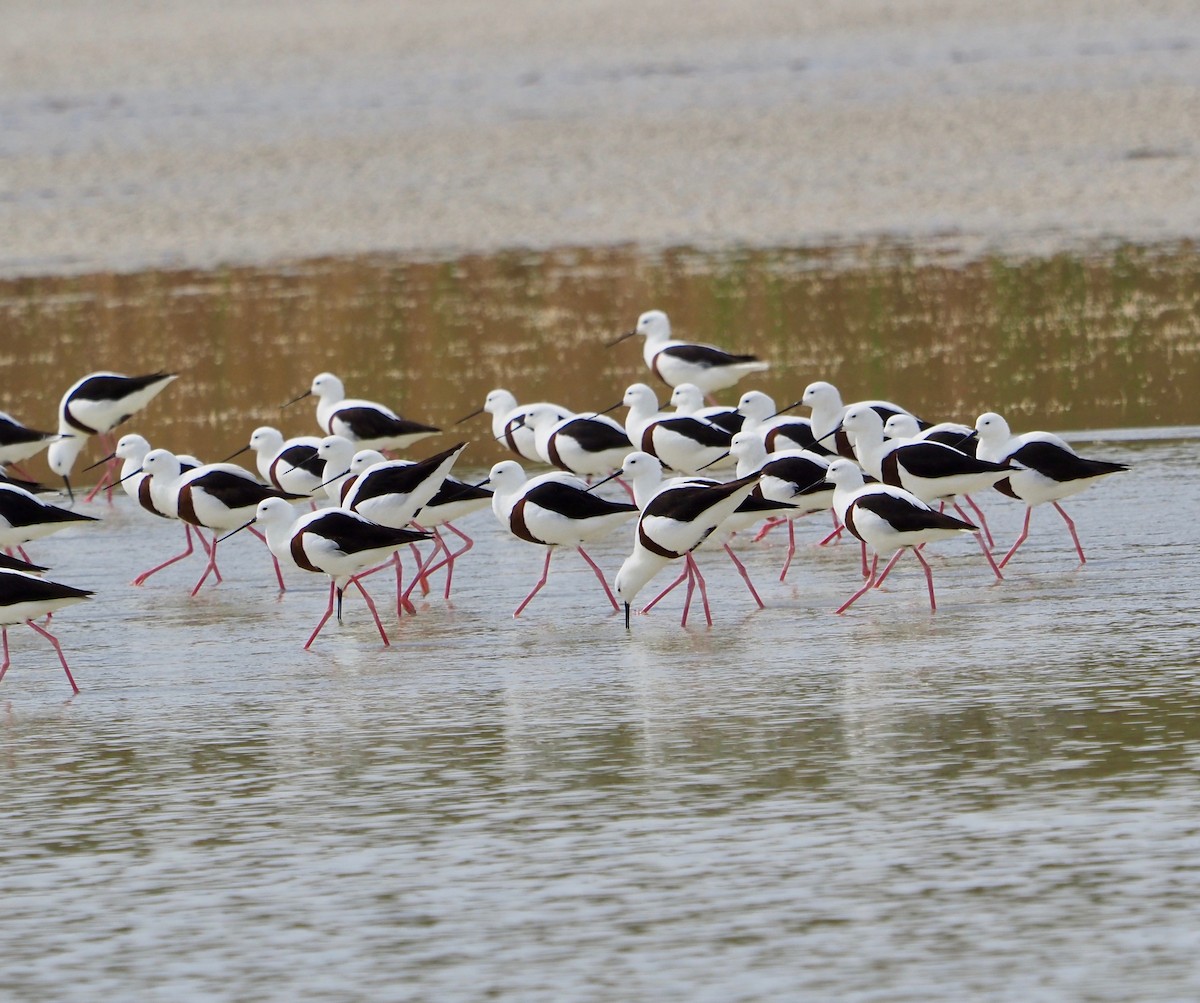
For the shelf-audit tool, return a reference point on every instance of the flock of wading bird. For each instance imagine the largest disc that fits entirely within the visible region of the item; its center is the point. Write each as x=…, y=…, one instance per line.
x=698, y=473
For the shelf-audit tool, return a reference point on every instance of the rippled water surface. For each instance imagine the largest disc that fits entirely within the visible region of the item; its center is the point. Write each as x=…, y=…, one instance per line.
x=994, y=802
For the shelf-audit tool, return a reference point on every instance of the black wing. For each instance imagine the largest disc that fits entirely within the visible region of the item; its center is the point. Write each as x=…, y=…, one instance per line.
x=905, y=517
x=572, y=502
x=705, y=355
x=1061, y=464
x=594, y=436
x=371, y=423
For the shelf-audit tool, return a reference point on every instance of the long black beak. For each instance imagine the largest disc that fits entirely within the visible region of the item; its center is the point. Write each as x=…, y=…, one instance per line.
x=132, y=473
x=232, y=532
x=110, y=456
x=627, y=334
x=336, y=477
x=307, y=393
x=466, y=417
x=710, y=463
x=612, y=408
x=70, y=493
x=467, y=487
x=244, y=449
x=627, y=616
x=605, y=480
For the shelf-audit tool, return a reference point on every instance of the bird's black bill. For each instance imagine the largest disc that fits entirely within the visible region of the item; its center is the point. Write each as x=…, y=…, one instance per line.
x=627, y=616
x=723, y=456
x=468, y=417
x=234, y=532
x=295, y=400
x=244, y=449
x=131, y=474
x=627, y=334
x=336, y=477
x=604, y=480
x=110, y=456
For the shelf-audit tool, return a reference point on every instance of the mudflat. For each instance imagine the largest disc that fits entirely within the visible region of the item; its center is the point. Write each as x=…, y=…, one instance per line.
x=142, y=135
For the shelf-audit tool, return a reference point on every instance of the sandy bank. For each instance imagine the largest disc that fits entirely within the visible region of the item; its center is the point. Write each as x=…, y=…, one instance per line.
x=193, y=134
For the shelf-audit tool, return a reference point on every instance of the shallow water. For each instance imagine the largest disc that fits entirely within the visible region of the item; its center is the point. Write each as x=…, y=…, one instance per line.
x=993, y=802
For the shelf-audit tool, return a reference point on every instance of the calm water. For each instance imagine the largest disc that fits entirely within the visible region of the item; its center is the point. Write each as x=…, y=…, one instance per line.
x=993, y=802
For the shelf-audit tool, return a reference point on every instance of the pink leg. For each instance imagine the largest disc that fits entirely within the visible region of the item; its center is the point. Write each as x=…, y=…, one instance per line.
x=4, y=667
x=887, y=568
x=928, y=578
x=745, y=575
x=982, y=545
x=1071, y=527
x=211, y=568
x=57, y=647
x=420, y=564
x=599, y=574
x=791, y=549
x=861, y=592
x=324, y=620
x=1020, y=539
x=374, y=612
x=452, y=556
x=687, y=600
x=770, y=524
x=700, y=585
x=983, y=525
x=541, y=581
x=838, y=528
x=862, y=546
x=674, y=585
x=274, y=559
x=628, y=489
x=141, y=579
x=403, y=604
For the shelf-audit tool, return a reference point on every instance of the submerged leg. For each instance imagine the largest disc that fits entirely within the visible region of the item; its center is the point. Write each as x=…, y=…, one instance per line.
x=541, y=581
x=983, y=524
x=210, y=568
x=745, y=575
x=1020, y=539
x=324, y=620
x=371, y=606
x=674, y=585
x=791, y=549
x=4, y=667
x=141, y=579
x=887, y=568
x=599, y=574
x=699, y=578
x=982, y=545
x=1071, y=527
x=57, y=647
x=274, y=560
x=928, y=578
x=861, y=592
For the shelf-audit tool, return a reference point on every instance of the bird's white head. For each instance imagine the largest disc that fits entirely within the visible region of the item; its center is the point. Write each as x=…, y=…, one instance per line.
x=756, y=405
x=749, y=447
x=132, y=447
x=63, y=452
x=992, y=428
x=654, y=325
x=266, y=439
x=335, y=449
x=506, y=476
x=821, y=395
x=901, y=426
x=499, y=401
x=274, y=512
x=327, y=387
x=845, y=474
x=641, y=397
x=687, y=397
x=539, y=416
x=365, y=458
x=863, y=420
x=161, y=463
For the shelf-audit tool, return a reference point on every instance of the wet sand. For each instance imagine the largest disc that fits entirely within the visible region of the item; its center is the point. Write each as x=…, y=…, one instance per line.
x=138, y=136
